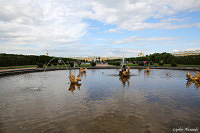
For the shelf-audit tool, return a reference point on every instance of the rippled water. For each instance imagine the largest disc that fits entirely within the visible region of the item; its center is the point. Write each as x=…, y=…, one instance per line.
x=154, y=102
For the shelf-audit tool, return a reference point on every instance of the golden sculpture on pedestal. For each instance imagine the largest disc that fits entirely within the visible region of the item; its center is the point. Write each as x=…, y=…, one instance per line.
x=74, y=80
x=83, y=70
x=195, y=78
x=188, y=75
x=125, y=71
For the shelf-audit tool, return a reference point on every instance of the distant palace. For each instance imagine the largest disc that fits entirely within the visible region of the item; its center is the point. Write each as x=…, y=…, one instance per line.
x=100, y=58
x=186, y=53
x=96, y=58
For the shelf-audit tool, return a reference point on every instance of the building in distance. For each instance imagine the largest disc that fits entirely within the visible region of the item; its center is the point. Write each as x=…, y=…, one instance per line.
x=141, y=55
x=95, y=58
x=187, y=53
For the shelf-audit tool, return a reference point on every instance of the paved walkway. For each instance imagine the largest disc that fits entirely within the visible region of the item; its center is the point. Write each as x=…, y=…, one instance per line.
x=103, y=65
x=17, y=69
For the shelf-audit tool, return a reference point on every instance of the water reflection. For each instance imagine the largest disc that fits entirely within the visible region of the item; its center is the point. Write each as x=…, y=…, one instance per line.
x=125, y=80
x=82, y=74
x=74, y=87
x=190, y=82
x=147, y=73
x=139, y=70
x=147, y=129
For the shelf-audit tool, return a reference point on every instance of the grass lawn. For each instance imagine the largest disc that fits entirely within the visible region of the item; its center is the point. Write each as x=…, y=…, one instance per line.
x=86, y=65
x=157, y=65
x=132, y=65
x=128, y=65
x=82, y=65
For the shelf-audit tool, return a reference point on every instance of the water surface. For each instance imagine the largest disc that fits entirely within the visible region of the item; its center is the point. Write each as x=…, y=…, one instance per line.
x=153, y=102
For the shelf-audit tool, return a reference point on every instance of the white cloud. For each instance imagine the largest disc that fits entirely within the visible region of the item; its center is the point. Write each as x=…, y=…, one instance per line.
x=42, y=23
x=197, y=25
x=132, y=15
x=127, y=52
x=132, y=39
x=191, y=49
x=156, y=43
x=196, y=42
x=52, y=24
x=114, y=30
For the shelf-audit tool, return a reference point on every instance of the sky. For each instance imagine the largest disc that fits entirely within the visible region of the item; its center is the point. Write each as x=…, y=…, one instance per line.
x=75, y=28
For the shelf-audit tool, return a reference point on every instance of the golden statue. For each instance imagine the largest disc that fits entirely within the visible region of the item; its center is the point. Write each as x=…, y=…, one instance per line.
x=125, y=71
x=195, y=78
x=197, y=74
x=188, y=75
x=74, y=80
x=83, y=70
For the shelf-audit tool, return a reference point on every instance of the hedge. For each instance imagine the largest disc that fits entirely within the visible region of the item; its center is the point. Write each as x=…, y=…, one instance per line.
x=20, y=60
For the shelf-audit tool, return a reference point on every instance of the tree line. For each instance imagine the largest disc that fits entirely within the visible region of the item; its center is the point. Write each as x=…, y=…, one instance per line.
x=161, y=58
x=164, y=58
x=20, y=60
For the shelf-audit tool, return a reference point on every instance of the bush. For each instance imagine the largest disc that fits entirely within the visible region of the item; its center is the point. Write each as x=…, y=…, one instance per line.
x=117, y=63
x=114, y=63
x=161, y=63
x=55, y=64
x=93, y=63
x=40, y=65
x=20, y=60
x=133, y=62
x=79, y=63
x=141, y=63
x=151, y=62
x=174, y=64
x=49, y=64
x=71, y=64
x=16, y=60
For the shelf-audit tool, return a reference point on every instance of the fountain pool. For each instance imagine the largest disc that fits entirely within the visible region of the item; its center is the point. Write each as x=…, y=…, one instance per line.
x=158, y=101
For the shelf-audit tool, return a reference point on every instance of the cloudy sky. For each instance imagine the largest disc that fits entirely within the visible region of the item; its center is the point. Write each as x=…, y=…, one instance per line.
x=98, y=27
